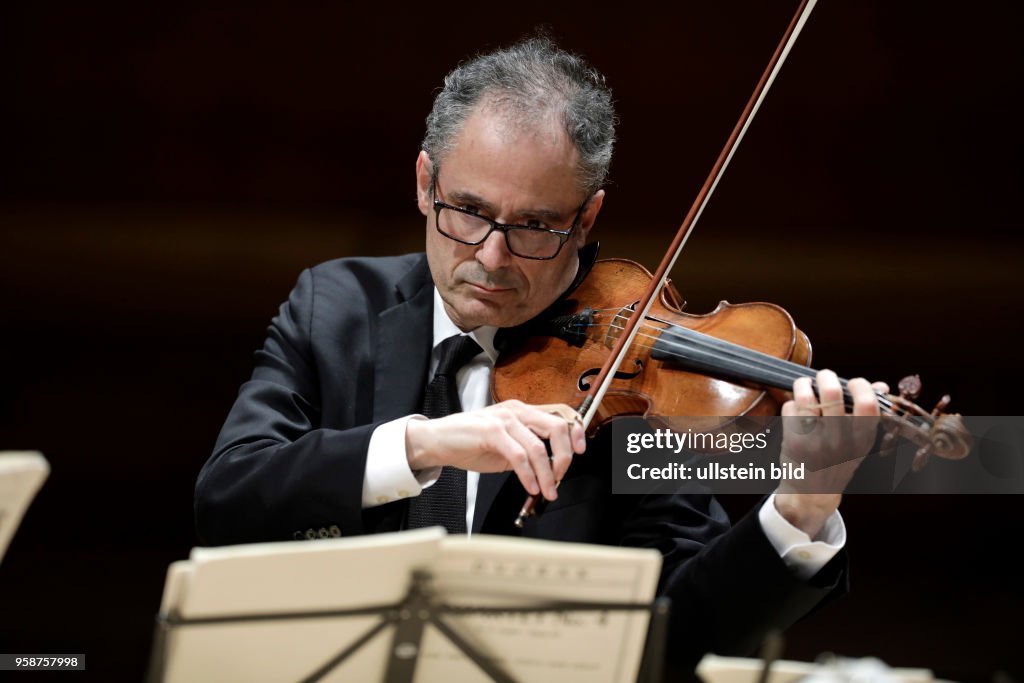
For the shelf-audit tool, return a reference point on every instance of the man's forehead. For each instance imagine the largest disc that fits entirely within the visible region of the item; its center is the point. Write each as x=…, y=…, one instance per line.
x=495, y=161
x=492, y=124
x=513, y=119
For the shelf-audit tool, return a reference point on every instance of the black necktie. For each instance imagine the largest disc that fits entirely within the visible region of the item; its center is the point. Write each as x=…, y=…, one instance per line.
x=444, y=503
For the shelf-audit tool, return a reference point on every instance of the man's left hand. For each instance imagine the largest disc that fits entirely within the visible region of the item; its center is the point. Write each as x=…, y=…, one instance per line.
x=830, y=449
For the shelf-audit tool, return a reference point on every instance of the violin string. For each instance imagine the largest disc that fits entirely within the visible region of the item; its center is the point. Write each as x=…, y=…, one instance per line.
x=719, y=355
x=782, y=380
x=728, y=351
x=887, y=406
x=781, y=372
x=741, y=358
x=751, y=365
x=750, y=357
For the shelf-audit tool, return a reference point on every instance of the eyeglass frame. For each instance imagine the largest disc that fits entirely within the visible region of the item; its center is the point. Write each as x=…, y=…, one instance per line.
x=563, y=235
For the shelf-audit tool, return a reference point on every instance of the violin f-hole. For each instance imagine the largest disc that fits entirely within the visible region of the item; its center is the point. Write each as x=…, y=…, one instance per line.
x=584, y=385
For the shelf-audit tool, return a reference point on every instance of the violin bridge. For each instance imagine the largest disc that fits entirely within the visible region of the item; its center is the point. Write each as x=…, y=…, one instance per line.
x=618, y=324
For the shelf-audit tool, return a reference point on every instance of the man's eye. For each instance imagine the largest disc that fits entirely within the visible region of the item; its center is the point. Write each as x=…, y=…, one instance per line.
x=469, y=208
x=534, y=223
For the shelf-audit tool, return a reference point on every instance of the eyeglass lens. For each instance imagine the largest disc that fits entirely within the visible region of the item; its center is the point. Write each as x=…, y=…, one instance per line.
x=524, y=242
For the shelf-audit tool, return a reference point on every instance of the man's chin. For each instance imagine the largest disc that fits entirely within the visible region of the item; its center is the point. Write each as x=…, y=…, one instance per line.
x=477, y=311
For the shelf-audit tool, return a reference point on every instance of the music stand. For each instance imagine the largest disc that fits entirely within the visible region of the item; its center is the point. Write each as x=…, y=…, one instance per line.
x=409, y=617
x=416, y=580
x=22, y=474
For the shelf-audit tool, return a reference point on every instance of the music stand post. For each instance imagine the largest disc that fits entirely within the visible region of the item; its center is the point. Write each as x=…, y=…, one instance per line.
x=419, y=607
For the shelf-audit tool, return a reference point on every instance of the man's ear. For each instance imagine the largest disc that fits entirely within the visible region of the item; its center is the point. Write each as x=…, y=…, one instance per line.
x=587, y=219
x=424, y=169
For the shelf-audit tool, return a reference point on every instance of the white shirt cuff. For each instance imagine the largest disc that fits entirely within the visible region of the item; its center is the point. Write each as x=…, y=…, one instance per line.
x=388, y=477
x=803, y=556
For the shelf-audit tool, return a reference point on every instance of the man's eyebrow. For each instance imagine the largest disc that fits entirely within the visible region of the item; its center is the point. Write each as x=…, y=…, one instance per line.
x=464, y=197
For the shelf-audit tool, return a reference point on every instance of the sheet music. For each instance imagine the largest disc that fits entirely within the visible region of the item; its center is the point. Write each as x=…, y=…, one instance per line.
x=374, y=570
x=571, y=647
x=21, y=476
x=281, y=578
x=717, y=669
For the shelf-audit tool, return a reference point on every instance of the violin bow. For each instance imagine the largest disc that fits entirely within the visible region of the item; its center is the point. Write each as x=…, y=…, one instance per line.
x=590, y=404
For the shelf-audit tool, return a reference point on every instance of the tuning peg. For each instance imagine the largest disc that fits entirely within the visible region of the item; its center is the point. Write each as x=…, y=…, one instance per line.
x=910, y=387
x=940, y=407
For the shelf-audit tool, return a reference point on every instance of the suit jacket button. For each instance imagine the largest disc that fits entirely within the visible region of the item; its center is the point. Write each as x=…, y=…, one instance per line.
x=323, y=533
x=310, y=534
x=334, y=531
x=298, y=536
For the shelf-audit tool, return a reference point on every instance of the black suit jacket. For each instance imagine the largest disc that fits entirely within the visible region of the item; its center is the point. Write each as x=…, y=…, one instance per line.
x=350, y=351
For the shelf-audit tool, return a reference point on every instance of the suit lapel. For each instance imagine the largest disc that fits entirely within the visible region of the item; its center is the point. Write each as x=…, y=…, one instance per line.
x=402, y=358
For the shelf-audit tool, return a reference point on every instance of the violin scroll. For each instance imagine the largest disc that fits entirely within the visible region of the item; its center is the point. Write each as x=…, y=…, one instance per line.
x=934, y=432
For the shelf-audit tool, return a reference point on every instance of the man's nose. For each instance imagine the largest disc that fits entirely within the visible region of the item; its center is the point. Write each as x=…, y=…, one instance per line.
x=493, y=252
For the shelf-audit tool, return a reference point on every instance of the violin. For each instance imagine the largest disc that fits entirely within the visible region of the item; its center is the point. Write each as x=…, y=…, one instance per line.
x=619, y=344
x=739, y=360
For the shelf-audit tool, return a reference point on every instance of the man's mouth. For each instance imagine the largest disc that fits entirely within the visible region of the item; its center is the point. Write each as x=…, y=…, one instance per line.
x=490, y=290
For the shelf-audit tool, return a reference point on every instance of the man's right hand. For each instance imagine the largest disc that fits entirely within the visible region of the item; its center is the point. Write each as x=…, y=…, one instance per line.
x=506, y=436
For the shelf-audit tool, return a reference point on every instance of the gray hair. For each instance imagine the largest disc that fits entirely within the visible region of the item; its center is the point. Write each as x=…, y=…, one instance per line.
x=529, y=81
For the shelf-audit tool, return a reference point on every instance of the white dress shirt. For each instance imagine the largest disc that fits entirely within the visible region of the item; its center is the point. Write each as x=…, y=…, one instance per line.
x=388, y=476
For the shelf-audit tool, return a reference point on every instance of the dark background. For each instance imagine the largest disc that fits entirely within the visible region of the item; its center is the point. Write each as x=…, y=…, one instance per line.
x=168, y=170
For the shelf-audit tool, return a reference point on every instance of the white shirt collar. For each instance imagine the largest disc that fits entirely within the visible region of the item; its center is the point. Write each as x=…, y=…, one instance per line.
x=445, y=328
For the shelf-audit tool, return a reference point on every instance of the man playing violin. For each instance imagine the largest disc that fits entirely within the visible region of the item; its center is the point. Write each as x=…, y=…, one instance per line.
x=331, y=436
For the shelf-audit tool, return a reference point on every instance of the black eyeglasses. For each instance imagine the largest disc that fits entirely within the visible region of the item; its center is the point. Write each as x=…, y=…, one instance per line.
x=525, y=241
